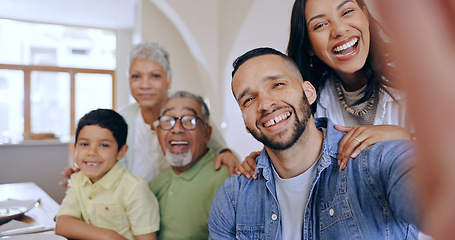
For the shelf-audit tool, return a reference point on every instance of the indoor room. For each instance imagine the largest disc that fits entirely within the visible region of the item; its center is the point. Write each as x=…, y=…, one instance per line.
x=239, y=119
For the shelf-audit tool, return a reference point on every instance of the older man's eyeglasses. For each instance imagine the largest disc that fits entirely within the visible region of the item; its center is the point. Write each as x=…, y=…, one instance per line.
x=188, y=122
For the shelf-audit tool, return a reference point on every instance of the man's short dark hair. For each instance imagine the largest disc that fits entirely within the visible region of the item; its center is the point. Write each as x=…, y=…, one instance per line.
x=106, y=118
x=256, y=53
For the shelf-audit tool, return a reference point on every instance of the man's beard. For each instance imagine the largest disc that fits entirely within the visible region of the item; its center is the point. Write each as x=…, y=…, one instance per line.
x=179, y=159
x=299, y=127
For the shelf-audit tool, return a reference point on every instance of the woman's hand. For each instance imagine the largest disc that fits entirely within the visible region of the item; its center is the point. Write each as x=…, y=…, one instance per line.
x=358, y=138
x=227, y=158
x=248, y=165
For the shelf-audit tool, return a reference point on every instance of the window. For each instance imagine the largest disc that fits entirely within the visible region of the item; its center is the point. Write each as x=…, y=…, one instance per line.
x=11, y=105
x=50, y=76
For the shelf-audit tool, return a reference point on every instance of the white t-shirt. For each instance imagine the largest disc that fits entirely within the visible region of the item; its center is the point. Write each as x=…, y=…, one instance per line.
x=292, y=195
x=149, y=159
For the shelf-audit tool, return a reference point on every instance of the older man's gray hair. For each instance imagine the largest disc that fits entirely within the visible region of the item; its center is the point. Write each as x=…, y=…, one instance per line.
x=197, y=98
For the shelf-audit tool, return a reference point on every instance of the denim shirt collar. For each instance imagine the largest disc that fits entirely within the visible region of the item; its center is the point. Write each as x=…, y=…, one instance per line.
x=263, y=164
x=331, y=139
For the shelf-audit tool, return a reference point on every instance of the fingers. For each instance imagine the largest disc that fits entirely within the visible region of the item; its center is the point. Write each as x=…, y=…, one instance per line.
x=227, y=158
x=63, y=183
x=231, y=170
x=353, y=148
x=239, y=170
x=346, y=143
x=68, y=171
x=67, y=174
x=342, y=128
x=253, y=155
x=353, y=143
x=348, y=150
x=218, y=162
x=251, y=167
x=360, y=137
x=247, y=167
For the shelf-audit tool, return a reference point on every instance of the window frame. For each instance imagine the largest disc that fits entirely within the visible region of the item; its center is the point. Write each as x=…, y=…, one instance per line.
x=28, y=69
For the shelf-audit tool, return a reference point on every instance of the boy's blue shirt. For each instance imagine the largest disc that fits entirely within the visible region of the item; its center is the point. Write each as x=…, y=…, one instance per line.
x=371, y=199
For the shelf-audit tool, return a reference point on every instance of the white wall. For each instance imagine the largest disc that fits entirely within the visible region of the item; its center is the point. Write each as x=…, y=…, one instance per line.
x=266, y=23
x=121, y=90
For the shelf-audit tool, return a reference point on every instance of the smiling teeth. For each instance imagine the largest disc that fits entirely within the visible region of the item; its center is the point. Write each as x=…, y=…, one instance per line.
x=346, y=45
x=277, y=119
x=179, y=142
x=92, y=164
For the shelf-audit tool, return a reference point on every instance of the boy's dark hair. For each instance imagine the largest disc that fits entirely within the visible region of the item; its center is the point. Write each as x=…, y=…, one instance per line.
x=106, y=118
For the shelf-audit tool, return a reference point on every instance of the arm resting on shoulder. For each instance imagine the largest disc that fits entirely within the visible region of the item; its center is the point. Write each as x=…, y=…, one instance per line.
x=359, y=137
x=248, y=166
x=225, y=156
x=67, y=174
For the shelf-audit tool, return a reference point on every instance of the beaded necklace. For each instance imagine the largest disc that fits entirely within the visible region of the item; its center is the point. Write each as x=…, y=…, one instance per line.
x=349, y=109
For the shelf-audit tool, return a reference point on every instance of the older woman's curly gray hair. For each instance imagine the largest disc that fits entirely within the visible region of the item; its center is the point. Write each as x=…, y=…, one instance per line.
x=154, y=52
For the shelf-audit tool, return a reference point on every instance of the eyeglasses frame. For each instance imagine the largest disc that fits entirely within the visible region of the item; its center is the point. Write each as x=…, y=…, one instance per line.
x=181, y=124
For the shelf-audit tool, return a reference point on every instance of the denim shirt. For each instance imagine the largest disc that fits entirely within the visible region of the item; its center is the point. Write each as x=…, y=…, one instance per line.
x=371, y=199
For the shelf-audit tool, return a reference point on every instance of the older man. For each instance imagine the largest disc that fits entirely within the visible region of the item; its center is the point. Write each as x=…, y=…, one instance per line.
x=300, y=192
x=186, y=189
x=150, y=77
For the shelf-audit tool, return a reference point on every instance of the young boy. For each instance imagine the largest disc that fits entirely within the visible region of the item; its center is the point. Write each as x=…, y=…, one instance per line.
x=105, y=201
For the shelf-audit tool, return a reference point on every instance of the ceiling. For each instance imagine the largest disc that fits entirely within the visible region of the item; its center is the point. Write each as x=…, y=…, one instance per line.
x=113, y=14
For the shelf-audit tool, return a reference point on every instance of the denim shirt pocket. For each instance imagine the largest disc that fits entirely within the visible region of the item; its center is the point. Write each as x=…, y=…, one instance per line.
x=250, y=232
x=337, y=220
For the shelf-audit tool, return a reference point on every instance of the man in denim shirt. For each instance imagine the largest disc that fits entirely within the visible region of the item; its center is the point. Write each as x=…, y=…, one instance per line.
x=300, y=192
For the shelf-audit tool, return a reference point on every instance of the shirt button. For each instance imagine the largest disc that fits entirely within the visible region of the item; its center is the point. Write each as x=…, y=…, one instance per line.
x=89, y=197
x=107, y=208
x=274, y=217
x=331, y=212
x=171, y=193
